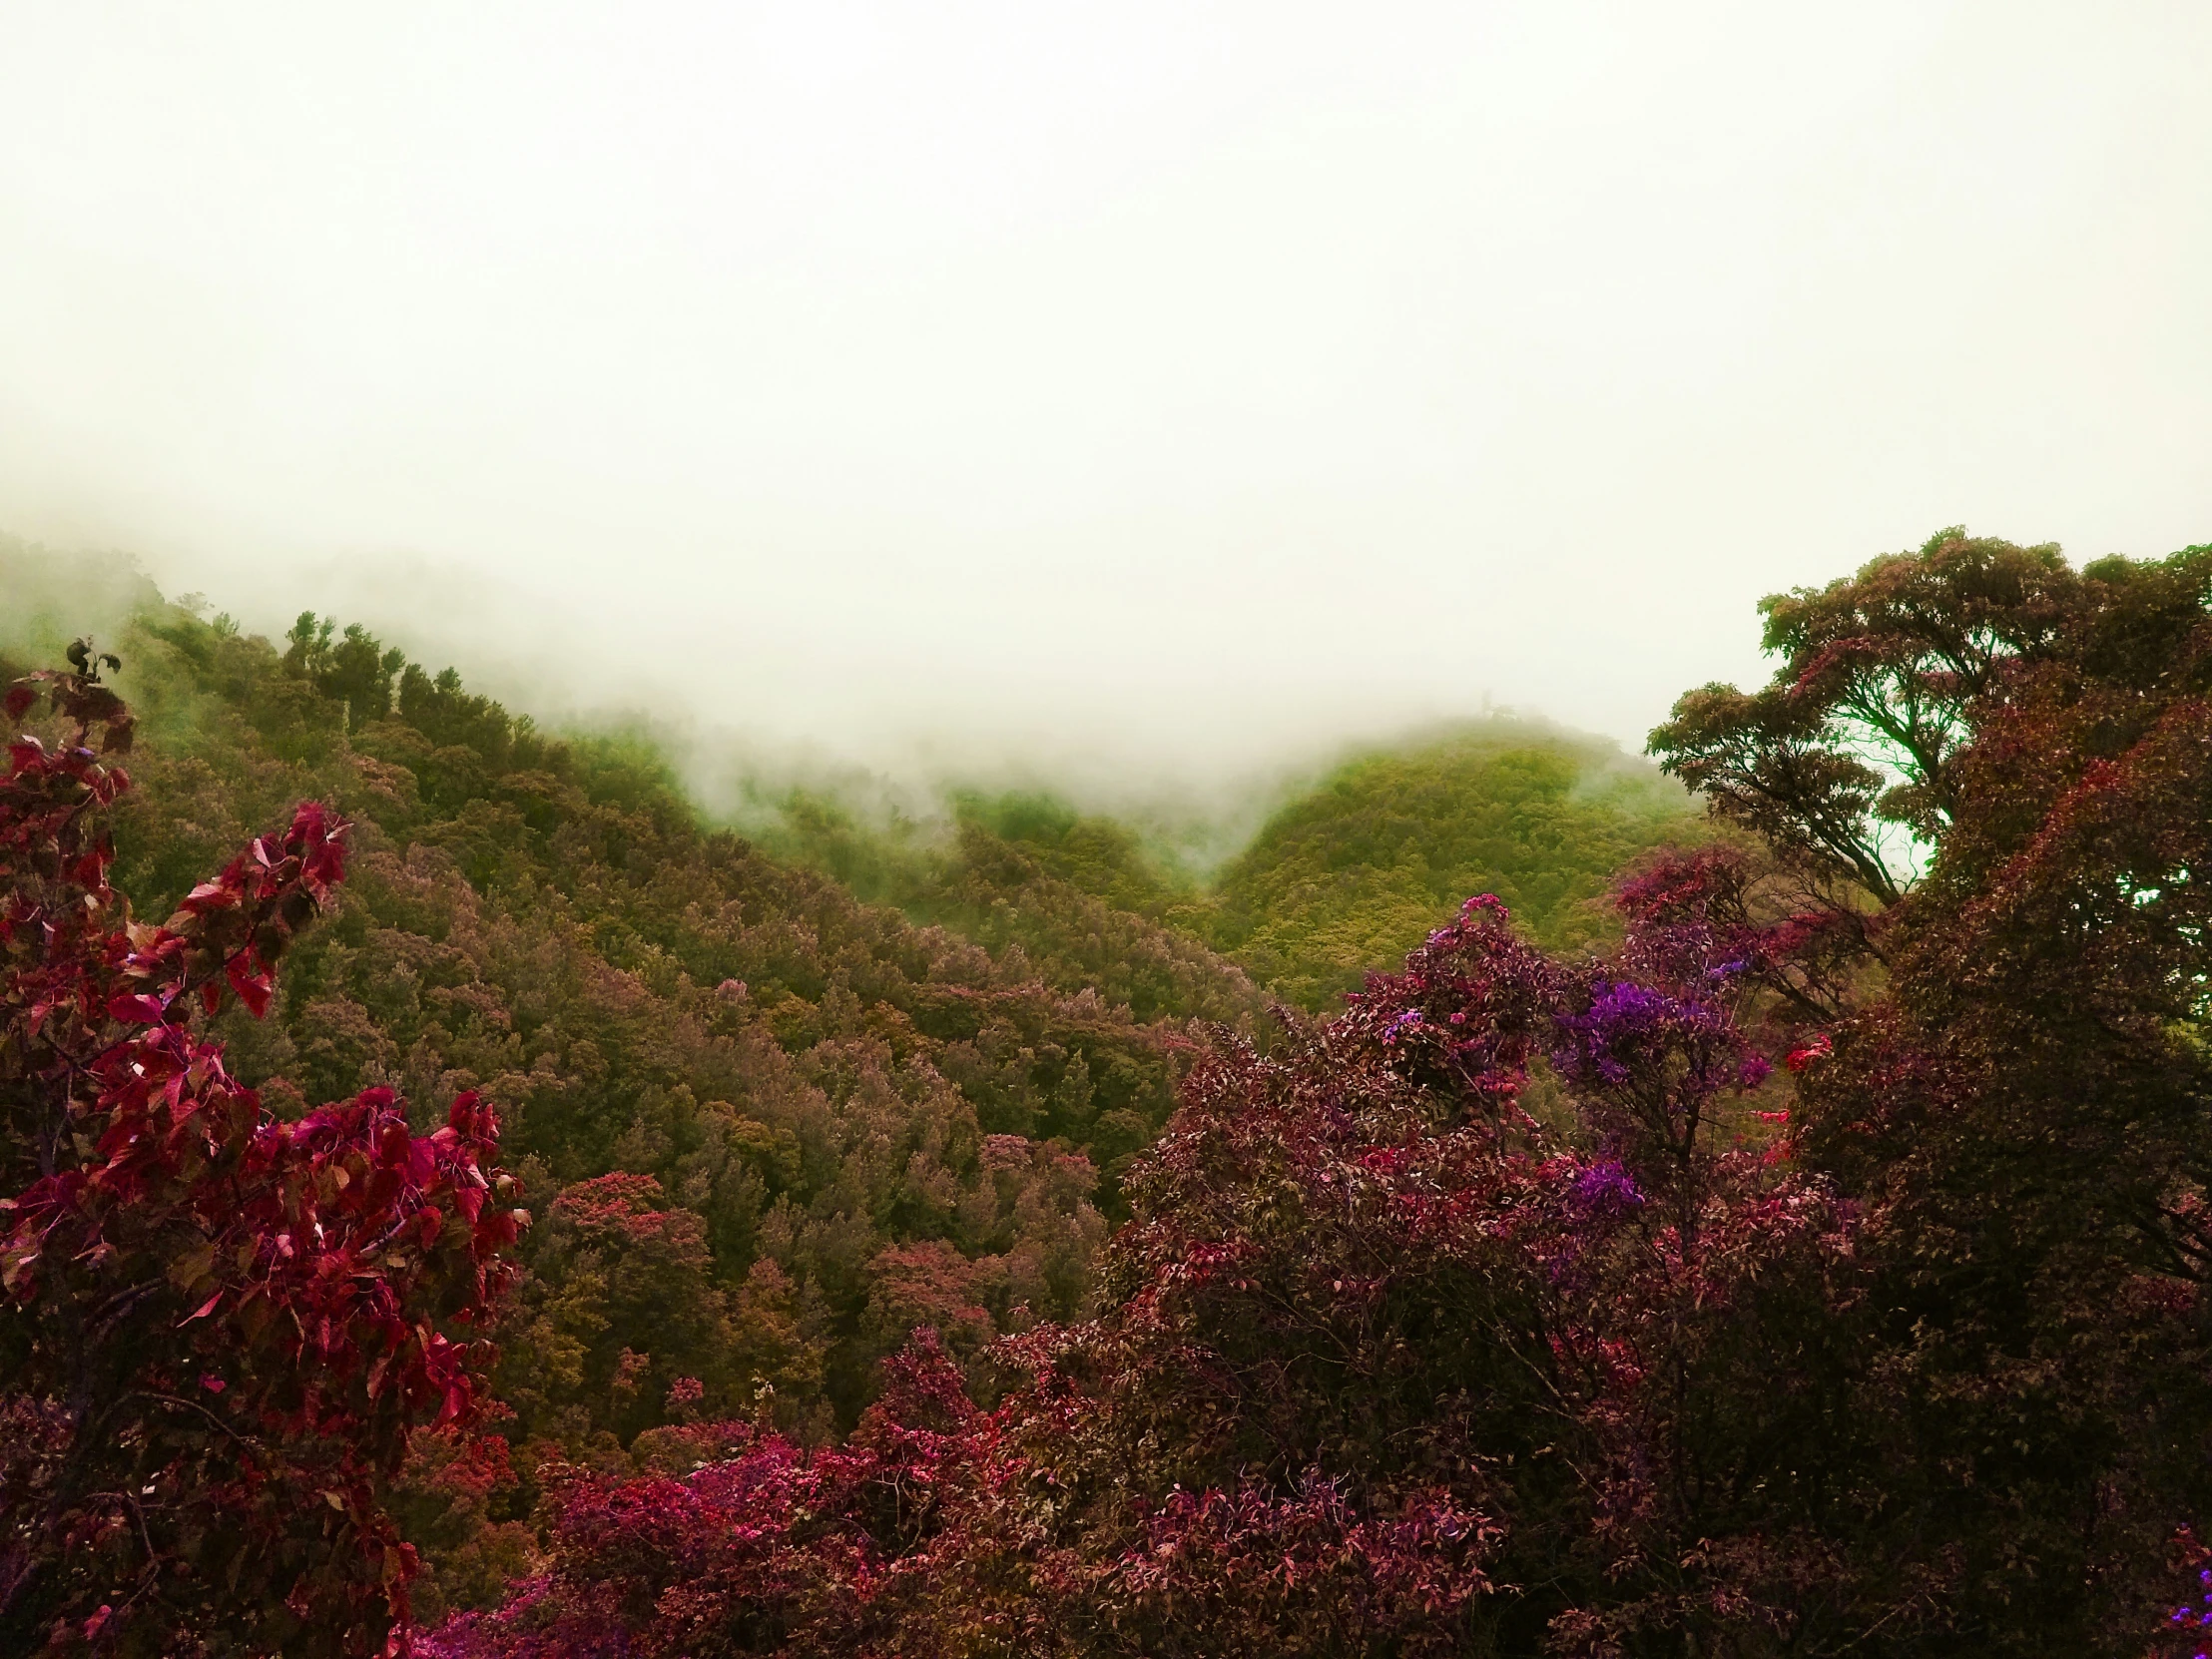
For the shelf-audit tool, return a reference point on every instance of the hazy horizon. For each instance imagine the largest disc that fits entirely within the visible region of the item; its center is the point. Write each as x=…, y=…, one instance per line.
x=1100, y=391
x=747, y=777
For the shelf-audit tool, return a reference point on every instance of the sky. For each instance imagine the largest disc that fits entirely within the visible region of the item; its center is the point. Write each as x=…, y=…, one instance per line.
x=1112, y=389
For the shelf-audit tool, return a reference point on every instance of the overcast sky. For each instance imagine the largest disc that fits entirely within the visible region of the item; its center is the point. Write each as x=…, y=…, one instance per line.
x=1155, y=383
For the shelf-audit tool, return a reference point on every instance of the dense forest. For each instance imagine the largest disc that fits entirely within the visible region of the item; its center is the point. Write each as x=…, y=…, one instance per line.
x=1502, y=1209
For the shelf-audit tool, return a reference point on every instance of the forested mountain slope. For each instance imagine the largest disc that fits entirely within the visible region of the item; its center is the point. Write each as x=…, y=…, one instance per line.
x=772, y=1108
x=1813, y=1262
x=1341, y=881
x=765, y=1126
x=1347, y=879
x=1079, y=896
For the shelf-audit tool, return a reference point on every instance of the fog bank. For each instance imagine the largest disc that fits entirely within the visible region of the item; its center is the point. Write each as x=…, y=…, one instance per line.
x=1099, y=393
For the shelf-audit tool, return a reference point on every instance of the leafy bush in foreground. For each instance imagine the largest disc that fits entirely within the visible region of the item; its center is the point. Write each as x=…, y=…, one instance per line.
x=221, y=1325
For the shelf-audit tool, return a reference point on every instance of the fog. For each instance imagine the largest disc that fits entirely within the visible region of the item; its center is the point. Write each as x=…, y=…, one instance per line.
x=1093, y=391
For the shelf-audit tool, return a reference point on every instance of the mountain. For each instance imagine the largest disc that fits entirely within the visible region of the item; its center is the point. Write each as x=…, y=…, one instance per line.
x=776, y=1099
x=1350, y=876
x=1341, y=879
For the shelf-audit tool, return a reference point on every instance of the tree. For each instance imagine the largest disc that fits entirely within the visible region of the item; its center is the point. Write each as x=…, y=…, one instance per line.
x=221, y=1325
x=617, y=1265
x=1386, y=1363
x=739, y=1543
x=357, y=671
x=2000, y=770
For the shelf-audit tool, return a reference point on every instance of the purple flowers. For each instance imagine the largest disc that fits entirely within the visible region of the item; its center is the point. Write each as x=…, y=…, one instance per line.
x=1623, y=1020
x=2187, y=1617
x=1604, y=1190
x=1628, y=1027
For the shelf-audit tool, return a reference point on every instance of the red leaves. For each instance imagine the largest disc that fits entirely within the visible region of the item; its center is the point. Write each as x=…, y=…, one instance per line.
x=79, y=697
x=686, y=1396
x=138, y=1010
x=252, y=985
x=471, y=1116
x=91, y=870
x=322, y=851
x=230, y=929
x=222, y=893
x=834, y=1549
x=1818, y=1049
x=631, y=1204
x=265, y=1306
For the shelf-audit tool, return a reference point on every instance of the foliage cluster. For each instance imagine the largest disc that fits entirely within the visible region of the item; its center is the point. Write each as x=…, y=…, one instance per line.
x=221, y=1325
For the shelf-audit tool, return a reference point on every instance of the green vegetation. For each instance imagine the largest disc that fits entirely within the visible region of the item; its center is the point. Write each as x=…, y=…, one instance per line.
x=1815, y=1263
x=1341, y=881
x=811, y=1084
x=1350, y=877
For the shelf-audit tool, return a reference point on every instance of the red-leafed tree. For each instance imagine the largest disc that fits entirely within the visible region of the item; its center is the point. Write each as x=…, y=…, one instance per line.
x=739, y=1542
x=1389, y=1364
x=218, y=1327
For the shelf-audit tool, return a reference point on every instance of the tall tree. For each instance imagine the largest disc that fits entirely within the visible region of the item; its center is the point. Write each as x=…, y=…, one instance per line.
x=2001, y=769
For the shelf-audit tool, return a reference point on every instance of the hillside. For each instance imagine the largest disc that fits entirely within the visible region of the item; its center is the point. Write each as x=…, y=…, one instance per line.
x=1347, y=879
x=772, y=1103
x=869, y=1297
x=851, y=1120
x=1341, y=879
